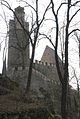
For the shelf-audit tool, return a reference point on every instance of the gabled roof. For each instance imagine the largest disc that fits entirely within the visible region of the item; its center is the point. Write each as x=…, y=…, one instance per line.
x=49, y=55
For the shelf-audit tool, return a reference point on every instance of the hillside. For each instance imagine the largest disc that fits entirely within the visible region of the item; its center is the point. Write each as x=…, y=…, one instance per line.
x=12, y=101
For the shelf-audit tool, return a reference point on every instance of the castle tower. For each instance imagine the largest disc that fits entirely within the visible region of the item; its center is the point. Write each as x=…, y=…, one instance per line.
x=18, y=47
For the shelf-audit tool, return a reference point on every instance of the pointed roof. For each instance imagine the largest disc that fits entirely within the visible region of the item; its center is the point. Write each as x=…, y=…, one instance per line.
x=48, y=55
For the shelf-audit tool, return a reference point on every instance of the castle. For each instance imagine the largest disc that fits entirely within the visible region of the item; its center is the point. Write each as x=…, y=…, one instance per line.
x=45, y=82
x=44, y=73
x=18, y=49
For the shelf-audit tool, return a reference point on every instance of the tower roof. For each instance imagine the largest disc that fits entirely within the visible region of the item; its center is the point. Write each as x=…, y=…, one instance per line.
x=48, y=55
x=19, y=9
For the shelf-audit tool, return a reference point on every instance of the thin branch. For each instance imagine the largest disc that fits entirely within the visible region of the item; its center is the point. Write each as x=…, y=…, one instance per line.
x=45, y=36
x=75, y=3
x=5, y=3
x=74, y=15
x=49, y=20
x=75, y=24
x=53, y=8
x=78, y=39
x=73, y=31
x=61, y=6
x=37, y=17
x=45, y=13
x=5, y=18
x=29, y=5
x=71, y=78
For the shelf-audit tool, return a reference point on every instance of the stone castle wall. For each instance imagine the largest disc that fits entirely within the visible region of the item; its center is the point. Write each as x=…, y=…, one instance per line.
x=49, y=70
x=46, y=71
x=44, y=76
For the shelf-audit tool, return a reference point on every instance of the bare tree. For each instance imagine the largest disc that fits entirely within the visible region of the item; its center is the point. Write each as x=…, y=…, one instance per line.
x=65, y=77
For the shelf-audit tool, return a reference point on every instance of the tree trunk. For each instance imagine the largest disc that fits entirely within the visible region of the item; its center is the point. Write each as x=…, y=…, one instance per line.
x=30, y=70
x=64, y=101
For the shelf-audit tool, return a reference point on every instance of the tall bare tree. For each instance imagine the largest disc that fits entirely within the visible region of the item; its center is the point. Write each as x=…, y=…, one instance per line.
x=65, y=77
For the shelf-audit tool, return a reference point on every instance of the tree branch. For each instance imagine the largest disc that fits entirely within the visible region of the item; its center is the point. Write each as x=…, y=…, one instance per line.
x=29, y=5
x=74, y=15
x=45, y=36
x=61, y=6
x=56, y=44
x=73, y=31
x=45, y=13
x=75, y=3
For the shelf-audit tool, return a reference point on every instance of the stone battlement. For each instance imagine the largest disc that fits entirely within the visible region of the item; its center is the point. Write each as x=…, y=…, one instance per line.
x=34, y=64
x=19, y=68
x=44, y=63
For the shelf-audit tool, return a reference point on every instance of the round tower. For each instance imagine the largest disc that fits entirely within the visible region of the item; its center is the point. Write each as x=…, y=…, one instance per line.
x=18, y=46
